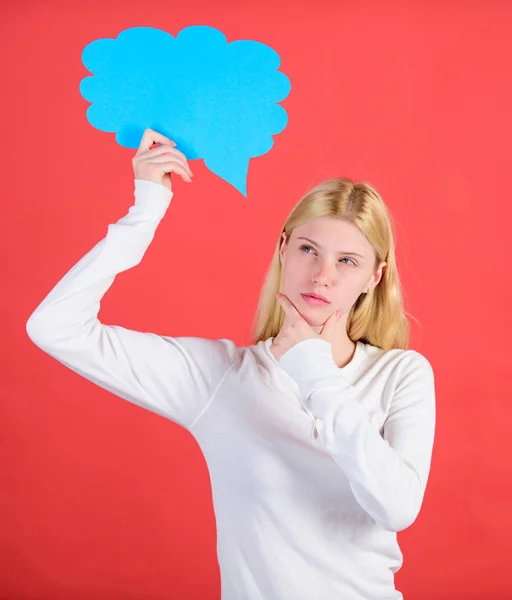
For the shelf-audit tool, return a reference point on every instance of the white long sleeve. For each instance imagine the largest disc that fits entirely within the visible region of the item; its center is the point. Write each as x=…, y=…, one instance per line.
x=387, y=473
x=173, y=377
x=298, y=516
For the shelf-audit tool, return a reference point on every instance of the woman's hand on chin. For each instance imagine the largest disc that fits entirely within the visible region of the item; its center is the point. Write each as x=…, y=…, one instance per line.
x=295, y=329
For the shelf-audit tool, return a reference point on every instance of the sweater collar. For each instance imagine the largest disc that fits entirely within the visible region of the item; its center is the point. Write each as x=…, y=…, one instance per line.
x=348, y=368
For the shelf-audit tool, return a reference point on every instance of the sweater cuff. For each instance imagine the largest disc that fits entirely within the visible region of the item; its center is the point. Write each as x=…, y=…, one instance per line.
x=150, y=191
x=311, y=364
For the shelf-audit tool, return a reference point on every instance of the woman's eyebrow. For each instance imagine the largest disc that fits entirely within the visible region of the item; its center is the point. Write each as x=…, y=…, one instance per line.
x=340, y=252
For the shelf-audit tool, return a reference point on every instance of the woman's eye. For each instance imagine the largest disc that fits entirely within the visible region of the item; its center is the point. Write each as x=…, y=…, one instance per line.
x=305, y=248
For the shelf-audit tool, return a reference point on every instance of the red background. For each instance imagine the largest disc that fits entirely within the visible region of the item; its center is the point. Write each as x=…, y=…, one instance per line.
x=103, y=500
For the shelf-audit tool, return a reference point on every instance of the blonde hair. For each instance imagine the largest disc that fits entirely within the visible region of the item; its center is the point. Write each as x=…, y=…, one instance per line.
x=377, y=317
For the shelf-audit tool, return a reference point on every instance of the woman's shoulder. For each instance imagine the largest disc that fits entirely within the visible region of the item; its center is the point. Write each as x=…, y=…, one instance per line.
x=209, y=353
x=404, y=359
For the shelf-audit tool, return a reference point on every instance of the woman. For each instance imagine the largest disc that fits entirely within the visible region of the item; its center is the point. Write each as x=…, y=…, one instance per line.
x=318, y=437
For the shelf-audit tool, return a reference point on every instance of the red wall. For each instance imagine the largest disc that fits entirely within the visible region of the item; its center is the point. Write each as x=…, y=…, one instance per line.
x=103, y=500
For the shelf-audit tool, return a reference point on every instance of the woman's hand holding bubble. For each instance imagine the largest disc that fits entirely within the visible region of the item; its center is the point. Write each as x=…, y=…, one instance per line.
x=156, y=163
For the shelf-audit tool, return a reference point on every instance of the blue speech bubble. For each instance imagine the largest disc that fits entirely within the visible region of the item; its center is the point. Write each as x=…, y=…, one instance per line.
x=216, y=100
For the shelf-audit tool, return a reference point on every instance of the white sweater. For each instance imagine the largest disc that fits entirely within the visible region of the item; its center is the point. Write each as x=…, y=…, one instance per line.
x=314, y=468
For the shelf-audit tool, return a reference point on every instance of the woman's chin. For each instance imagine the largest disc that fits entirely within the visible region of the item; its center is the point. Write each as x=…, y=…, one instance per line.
x=313, y=320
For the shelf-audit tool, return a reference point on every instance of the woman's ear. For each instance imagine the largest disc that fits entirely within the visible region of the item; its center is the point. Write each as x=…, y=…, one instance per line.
x=381, y=270
x=284, y=241
x=378, y=274
x=376, y=277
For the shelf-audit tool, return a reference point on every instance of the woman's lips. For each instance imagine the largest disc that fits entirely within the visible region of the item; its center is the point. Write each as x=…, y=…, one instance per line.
x=314, y=301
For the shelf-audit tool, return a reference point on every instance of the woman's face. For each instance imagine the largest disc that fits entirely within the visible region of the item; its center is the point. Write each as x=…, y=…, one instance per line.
x=330, y=257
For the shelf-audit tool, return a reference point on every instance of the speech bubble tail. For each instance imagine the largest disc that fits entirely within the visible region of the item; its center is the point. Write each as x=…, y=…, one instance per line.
x=232, y=169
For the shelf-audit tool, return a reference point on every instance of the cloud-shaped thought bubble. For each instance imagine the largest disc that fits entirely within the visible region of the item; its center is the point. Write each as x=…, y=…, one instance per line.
x=216, y=100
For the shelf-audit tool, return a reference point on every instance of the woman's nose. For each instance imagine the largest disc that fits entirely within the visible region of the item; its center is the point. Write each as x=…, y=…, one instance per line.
x=324, y=273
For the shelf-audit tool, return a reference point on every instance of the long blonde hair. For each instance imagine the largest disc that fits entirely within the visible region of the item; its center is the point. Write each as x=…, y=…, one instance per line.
x=377, y=317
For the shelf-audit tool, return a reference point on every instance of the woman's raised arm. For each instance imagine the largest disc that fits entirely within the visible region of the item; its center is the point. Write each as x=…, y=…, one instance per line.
x=173, y=377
